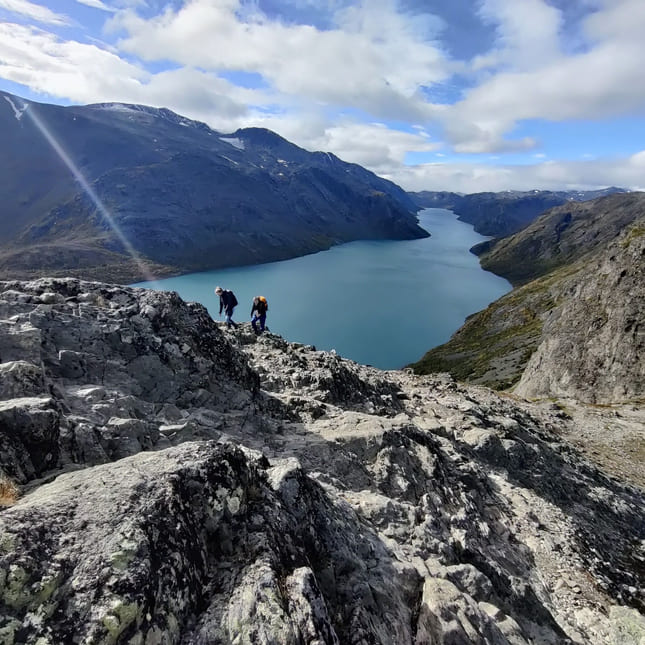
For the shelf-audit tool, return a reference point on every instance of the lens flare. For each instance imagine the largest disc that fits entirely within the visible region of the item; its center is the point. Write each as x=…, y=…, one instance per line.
x=78, y=175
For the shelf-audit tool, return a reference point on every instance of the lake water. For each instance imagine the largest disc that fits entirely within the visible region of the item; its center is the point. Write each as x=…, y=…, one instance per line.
x=382, y=303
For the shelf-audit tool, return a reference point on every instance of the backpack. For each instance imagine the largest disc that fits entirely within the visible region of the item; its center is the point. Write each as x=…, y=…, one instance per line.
x=263, y=306
x=233, y=299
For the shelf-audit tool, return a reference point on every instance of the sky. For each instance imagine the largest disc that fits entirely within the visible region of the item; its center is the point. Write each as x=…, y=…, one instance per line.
x=459, y=95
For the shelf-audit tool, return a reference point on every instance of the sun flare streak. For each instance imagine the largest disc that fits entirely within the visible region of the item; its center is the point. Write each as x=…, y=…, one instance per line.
x=66, y=159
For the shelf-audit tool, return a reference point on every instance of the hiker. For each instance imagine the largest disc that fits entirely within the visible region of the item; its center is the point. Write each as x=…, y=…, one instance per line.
x=260, y=307
x=227, y=302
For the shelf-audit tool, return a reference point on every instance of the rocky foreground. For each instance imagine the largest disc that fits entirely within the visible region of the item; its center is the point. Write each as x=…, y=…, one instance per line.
x=178, y=483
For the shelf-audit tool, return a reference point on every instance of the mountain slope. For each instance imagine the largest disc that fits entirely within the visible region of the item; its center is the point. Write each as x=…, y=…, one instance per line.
x=503, y=213
x=589, y=308
x=561, y=236
x=183, y=196
x=593, y=343
x=187, y=484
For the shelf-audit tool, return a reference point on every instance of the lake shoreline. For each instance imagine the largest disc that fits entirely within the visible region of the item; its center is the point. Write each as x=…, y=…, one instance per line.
x=378, y=302
x=173, y=272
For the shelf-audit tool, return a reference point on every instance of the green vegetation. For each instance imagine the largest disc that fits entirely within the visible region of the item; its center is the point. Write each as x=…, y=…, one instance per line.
x=515, y=268
x=634, y=233
x=494, y=345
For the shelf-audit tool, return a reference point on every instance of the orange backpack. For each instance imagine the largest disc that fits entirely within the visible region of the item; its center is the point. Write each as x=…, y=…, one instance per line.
x=262, y=306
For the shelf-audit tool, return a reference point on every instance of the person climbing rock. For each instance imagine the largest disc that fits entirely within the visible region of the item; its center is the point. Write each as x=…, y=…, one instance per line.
x=259, y=313
x=227, y=302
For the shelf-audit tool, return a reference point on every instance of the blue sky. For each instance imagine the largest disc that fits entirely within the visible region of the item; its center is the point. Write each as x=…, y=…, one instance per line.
x=464, y=95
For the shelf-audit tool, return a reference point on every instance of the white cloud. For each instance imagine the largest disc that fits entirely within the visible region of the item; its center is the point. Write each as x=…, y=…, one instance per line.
x=86, y=73
x=374, y=61
x=527, y=33
x=373, y=145
x=638, y=160
x=617, y=20
x=605, y=81
x=97, y=4
x=80, y=72
x=34, y=12
x=549, y=175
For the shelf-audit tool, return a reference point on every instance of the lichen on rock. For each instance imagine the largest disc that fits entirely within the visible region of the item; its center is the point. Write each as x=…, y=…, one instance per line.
x=188, y=484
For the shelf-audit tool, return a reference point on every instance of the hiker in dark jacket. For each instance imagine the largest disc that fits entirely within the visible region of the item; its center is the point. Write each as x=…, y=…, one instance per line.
x=227, y=302
x=260, y=307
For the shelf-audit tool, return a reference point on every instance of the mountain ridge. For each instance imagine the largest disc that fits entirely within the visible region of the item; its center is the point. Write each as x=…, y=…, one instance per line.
x=561, y=236
x=499, y=214
x=185, y=197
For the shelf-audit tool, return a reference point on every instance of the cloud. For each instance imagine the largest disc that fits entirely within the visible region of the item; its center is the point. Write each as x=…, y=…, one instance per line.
x=527, y=33
x=605, y=80
x=97, y=4
x=87, y=73
x=374, y=60
x=77, y=71
x=373, y=145
x=617, y=20
x=35, y=12
x=626, y=172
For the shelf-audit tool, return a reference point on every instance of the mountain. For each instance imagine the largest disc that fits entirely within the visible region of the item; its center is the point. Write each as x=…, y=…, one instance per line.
x=165, y=480
x=183, y=196
x=572, y=326
x=503, y=213
x=561, y=236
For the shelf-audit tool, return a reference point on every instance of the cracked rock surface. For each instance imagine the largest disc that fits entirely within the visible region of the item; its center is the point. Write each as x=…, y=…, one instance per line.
x=182, y=483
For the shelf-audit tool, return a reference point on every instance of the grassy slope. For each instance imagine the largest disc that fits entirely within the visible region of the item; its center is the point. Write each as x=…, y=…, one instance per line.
x=494, y=345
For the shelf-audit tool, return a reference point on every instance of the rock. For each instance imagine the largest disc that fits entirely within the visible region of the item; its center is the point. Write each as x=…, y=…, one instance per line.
x=20, y=379
x=593, y=345
x=628, y=626
x=29, y=441
x=180, y=485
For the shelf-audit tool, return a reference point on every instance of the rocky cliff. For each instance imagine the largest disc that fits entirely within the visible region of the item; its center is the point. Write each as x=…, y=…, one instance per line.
x=86, y=186
x=578, y=325
x=179, y=483
x=593, y=342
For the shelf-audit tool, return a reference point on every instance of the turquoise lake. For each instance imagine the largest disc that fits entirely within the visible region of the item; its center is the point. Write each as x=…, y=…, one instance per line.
x=382, y=303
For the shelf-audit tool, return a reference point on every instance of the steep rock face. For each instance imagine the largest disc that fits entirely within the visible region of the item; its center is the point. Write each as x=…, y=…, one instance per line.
x=583, y=314
x=184, y=197
x=96, y=372
x=593, y=344
x=286, y=495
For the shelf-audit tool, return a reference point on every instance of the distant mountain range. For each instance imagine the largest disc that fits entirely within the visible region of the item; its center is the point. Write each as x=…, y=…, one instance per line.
x=184, y=196
x=573, y=325
x=504, y=213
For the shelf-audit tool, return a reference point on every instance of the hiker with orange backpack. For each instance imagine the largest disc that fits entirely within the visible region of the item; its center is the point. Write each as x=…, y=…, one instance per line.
x=259, y=313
